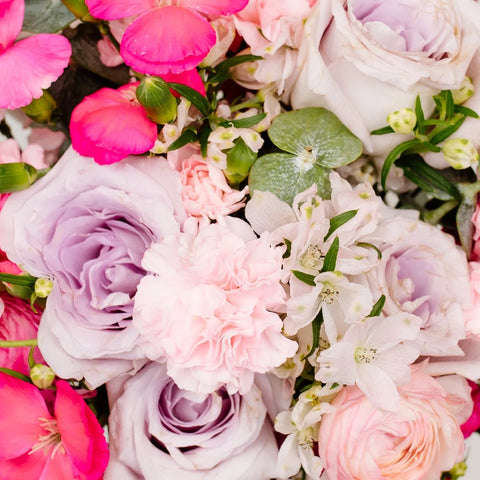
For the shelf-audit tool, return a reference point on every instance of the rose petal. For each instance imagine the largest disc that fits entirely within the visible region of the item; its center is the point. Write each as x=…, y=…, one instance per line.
x=168, y=39
x=115, y=9
x=11, y=19
x=30, y=66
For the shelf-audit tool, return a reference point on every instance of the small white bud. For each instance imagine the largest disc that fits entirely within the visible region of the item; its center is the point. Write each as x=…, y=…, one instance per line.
x=460, y=153
x=403, y=120
x=42, y=375
x=43, y=287
x=463, y=93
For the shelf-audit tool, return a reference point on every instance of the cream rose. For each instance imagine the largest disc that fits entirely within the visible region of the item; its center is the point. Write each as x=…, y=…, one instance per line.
x=363, y=59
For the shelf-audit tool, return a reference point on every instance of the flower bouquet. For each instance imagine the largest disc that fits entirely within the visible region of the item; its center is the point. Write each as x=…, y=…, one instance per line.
x=239, y=239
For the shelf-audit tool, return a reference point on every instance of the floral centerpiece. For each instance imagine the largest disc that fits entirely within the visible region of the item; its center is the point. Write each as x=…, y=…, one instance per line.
x=239, y=239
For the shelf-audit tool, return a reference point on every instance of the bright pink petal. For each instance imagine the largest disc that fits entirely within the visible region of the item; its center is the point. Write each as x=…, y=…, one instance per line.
x=30, y=66
x=27, y=466
x=11, y=19
x=115, y=9
x=21, y=407
x=59, y=467
x=110, y=125
x=82, y=435
x=169, y=39
x=214, y=7
x=191, y=78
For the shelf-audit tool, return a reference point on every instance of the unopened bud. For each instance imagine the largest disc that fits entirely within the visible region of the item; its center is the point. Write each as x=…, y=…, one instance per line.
x=463, y=93
x=403, y=120
x=460, y=153
x=16, y=176
x=42, y=376
x=240, y=159
x=157, y=99
x=43, y=287
x=40, y=109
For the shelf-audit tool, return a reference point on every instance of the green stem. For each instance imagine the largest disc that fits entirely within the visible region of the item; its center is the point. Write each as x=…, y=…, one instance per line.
x=18, y=343
x=433, y=216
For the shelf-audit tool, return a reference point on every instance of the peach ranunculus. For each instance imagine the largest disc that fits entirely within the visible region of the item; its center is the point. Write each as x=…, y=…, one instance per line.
x=417, y=443
x=356, y=51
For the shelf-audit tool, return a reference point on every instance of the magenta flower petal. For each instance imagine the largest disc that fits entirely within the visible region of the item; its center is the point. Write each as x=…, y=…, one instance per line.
x=11, y=19
x=115, y=9
x=191, y=78
x=214, y=7
x=29, y=66
x=110, y=125
x=82, y=435
x=22, y=406
x=26, y=466
x=169, y=39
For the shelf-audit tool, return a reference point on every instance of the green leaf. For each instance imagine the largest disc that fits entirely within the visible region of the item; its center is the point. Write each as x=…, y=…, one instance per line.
x=17, y=176
x=305, y=277
x=429, y=179
x=370, y=245
x=338, y=221
x=244, y=122
x=449, y=103
x=464, y=214
x=331, y=257
x=221, y=72
x=196, y=98
x=240, y=159
x=468, y=112
x=288, y=249
x=420, y=116
x=446, y=132
x=187, y=136
x=203, y=135
x=46, y=16
x=285, y=176
x=378, y=307
x=14, y=373
x=315, y=135
x=383, y=130
x=393, y=155
x=316, y=324
x=25, y=280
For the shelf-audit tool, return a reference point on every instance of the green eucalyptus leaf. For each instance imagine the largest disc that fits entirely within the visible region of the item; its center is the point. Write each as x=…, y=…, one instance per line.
x=285, y=175
x=318, y=132
x=46, y=16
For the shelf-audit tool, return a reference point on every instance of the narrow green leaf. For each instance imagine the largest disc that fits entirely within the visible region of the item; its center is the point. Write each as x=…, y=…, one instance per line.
x=468, y=112
x=331, y=257
x=393, y=155
x=420, y=116
x=370, y=245
x=338, y=221
x=378, y=307
x=203, y=135
x=15, y=374
x=221, y=72
x=446, y=132
x=25, y=280
x=244, y=122
x=305, y=277
x=288, y=249
x=316, y=324
x=449, y=103
x=383, y=130
x=196, y=98
x=188, y=136
x=429, y=179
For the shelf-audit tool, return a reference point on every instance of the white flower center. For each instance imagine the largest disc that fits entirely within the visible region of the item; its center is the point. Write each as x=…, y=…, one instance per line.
x=365, y=355
x=312, y=256
x=329, y=294
x=51, y=440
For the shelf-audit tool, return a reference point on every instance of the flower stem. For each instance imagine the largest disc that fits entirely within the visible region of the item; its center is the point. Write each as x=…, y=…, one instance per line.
x=18, y=343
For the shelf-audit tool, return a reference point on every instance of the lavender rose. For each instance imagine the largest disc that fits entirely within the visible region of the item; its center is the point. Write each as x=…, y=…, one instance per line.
x=86, y=227
x=159, y=431
x=357, y=51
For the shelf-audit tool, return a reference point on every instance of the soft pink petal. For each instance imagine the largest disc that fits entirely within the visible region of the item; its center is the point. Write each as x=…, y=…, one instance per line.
x=11, y=19
x=214, y=7
x=168, y=39
x=108, y=127
x=115, y=9
x=191, y=78
x=21, y=407
x=30, y=66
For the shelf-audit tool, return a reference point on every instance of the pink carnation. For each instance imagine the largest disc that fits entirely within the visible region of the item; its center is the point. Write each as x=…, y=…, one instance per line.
x=208, y=307
x=473, y=422
x=66, y=444
x=17, y=322
x=205, y=191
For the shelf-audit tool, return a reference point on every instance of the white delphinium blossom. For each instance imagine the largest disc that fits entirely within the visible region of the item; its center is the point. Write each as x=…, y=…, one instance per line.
x=375, y=355
x=301, y=424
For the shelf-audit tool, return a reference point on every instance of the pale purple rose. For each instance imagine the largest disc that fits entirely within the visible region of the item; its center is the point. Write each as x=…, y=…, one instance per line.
x=160, y=432
x=356, y=52
x=86, y=227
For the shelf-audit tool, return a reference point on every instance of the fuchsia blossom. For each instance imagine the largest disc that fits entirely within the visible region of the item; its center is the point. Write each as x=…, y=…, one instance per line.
x=166, y=36
x=111, y=124
x=36, y=444
x=29, y=65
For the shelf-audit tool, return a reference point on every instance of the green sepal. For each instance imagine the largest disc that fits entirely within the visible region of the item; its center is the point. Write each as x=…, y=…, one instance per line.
x=240, y=159
x=157, y=99
x=17, y=176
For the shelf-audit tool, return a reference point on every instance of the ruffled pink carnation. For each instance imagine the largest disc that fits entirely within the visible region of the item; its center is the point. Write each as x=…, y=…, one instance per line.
x=205, y=191
x=207, y=309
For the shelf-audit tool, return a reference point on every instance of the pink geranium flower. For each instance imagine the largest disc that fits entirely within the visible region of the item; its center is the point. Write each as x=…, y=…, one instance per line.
x=166, y=36
x=38, y=445
x=30, y=65
x=110, y=125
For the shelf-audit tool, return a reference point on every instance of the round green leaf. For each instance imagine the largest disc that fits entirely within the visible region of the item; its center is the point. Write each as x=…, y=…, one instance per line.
x=286, y=175
x=318, y=131
x=46, y=16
